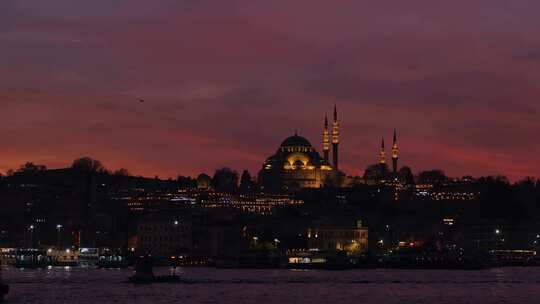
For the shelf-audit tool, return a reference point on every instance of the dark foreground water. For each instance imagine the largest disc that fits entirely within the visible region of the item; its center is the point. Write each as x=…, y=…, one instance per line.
x=208, y=285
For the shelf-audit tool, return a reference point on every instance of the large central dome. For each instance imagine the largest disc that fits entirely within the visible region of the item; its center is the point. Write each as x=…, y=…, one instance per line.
x=296, y=163
x=296, y=141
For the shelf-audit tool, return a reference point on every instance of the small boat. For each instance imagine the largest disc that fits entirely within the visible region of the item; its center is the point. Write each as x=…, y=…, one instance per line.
x=144, y=273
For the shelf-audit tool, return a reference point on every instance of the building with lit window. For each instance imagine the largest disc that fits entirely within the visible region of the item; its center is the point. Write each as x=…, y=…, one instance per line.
x=263, y=204
x=352, y=240
x=164, y=235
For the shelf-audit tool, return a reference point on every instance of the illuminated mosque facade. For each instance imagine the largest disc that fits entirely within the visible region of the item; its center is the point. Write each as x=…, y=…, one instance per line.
x=296, y=163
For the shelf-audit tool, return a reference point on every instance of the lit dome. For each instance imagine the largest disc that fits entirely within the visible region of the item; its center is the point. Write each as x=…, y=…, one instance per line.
x=296, y=163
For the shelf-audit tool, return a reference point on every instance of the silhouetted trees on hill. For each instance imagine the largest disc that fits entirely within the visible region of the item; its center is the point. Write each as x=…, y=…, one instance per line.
x=246, y=183
x=435, y=176
x=225, y=180
x=31, y=167
x=88, y=165
x=376, y=172
x=186, y=182
x=406, y=175
x=121, y=172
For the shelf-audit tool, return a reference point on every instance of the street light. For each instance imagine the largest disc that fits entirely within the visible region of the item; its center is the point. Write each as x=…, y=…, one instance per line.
x=58, y=229
x=497, y=239
x=31, y=229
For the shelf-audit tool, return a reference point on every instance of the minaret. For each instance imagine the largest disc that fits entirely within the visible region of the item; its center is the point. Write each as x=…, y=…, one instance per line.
x=335, y=139
x=395, y=154
x=382, y=154
x=326, y=140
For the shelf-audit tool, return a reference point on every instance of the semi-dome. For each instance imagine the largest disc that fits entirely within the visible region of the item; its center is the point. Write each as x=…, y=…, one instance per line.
x=296, y=141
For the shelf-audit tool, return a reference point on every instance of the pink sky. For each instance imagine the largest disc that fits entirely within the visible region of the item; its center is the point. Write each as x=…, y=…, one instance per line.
x=226, y=81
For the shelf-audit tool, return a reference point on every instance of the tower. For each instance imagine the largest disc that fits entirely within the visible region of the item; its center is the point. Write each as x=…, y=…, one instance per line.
x=335, y=139
x=382, y=154
x=326, y=139
x=395, y=154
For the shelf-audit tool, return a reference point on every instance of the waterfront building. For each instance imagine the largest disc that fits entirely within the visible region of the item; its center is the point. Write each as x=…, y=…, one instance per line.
x=163, y=234
x=188, y=233
x=352, y=240
x=65, y=257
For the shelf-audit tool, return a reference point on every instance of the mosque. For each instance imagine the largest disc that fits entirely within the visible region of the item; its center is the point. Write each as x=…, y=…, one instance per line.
x=296, y=163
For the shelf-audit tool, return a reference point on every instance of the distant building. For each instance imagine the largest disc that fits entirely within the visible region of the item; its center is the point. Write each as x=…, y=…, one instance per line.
x=195, y=233
x=164, y=235
x=450, y=191
x=352, y=240
x=263, y=204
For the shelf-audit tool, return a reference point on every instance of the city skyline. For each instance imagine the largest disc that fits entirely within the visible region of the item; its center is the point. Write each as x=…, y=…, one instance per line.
x=269, y=151
x=223, y=84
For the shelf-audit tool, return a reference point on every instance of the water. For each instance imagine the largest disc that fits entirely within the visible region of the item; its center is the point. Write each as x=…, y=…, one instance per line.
x=208, y=285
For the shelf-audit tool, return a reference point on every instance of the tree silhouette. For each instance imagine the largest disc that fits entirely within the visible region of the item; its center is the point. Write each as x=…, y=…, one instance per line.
x=31, y=167
x=122, y=172
x=435, y=176
x=246, y=182
x=225, y=180
x=186, y=182
x=88, y=165
x=334, y=180
x=406, y=176
x=204, y=181
x=376, y=172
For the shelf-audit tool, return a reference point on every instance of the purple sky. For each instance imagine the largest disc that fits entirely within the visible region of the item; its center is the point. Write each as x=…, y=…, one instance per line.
x=226, y=81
